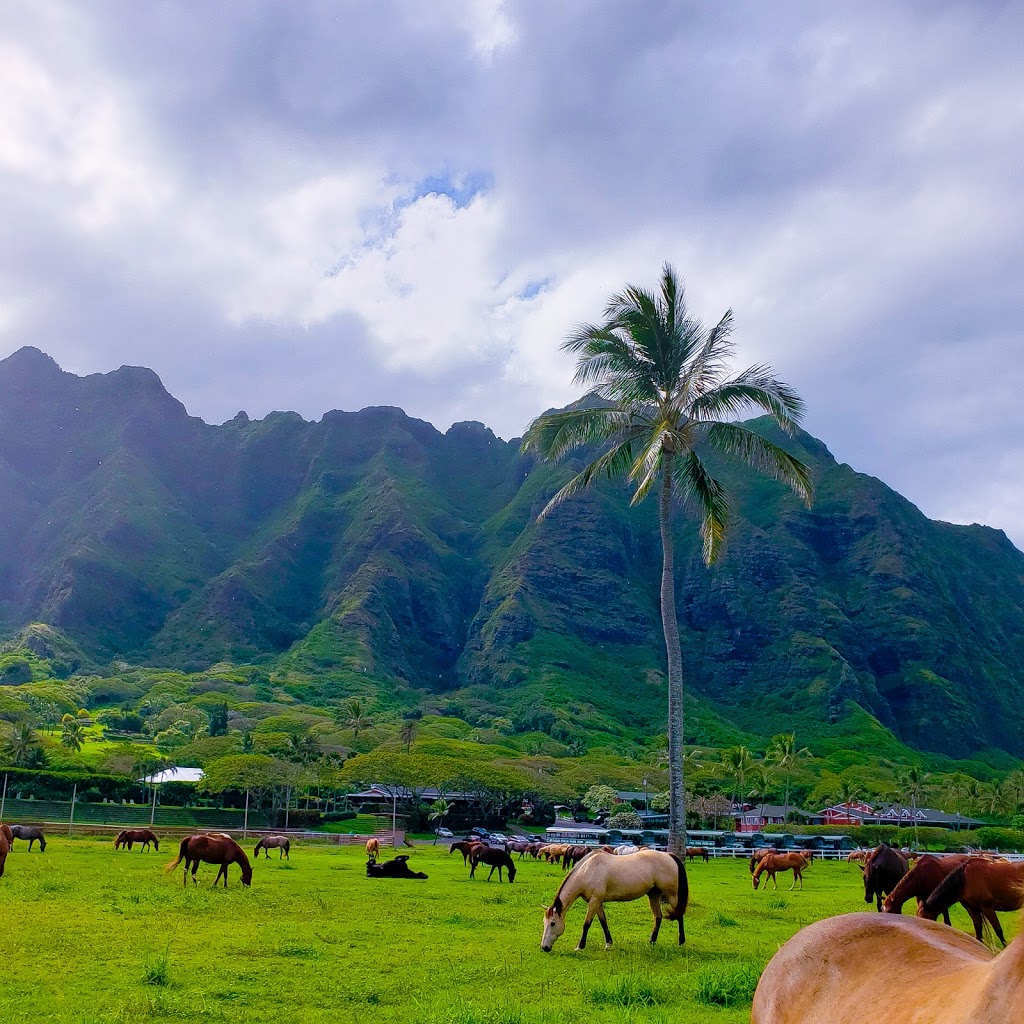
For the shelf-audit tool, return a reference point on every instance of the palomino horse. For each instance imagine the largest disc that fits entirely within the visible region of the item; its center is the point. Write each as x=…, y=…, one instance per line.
x=268, y=843
x=213, y=849
x=31, y=833
x=921, y=881
x=866, y=968
x=372, y=849
x=772, y=863
x=984, y=887
x=883, y=868
x=465, y=847
x=496, y=859
x=604, y=878
x=128, y=837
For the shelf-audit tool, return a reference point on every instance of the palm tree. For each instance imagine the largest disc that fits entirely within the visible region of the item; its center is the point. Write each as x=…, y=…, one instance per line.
x=408, y=732
x=762, y=778
x=737, y=762
x=913, y=783
x=72, y=735
x=997, y=797
x=786, y=757
x=439, y=810
x=955, y=789
x=661, y=397
x=22, y=745
x=357, y=715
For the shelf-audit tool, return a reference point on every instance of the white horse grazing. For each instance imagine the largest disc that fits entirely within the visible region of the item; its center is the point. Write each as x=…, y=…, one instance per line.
x=604, y=878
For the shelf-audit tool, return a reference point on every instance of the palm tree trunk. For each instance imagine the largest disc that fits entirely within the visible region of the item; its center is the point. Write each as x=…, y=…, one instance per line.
x=670, y=627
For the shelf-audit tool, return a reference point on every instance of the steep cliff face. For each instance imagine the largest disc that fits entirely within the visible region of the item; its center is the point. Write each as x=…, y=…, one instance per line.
x=370, y=545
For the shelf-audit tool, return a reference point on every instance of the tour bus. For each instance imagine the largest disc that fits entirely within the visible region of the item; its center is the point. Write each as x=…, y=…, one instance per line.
x=583, y=836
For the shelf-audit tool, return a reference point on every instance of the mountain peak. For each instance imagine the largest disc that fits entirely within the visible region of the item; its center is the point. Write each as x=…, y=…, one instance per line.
x=29, y=362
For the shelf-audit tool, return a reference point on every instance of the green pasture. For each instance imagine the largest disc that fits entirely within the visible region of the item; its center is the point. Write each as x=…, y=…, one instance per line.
x=89, y=936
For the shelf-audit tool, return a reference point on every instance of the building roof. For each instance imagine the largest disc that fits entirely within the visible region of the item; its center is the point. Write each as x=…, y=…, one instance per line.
x=174, y=775
x=892, y=814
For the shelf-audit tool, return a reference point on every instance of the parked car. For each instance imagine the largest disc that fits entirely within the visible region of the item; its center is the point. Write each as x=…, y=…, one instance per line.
x=497, y=839
x=477, y=833
x=444, y=833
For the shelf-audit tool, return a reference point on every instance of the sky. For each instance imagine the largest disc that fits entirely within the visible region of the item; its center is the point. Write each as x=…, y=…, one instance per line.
x=313, y=206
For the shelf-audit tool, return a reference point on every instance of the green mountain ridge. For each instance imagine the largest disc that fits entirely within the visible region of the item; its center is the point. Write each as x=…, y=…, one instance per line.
x=370, y=553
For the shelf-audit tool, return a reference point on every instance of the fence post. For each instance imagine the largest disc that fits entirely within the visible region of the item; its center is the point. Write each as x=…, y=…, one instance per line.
x=71, y=820
x=287, y=806
x=245, y=823
x=3, y=799
x=152, y=812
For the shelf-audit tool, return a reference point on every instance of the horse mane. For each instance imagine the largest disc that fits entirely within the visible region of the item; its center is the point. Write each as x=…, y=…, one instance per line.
x=947, y=892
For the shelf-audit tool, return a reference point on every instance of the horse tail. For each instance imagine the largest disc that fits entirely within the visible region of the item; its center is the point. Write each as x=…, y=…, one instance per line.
x=182, y=850
x=682, y=887
x=946, y=893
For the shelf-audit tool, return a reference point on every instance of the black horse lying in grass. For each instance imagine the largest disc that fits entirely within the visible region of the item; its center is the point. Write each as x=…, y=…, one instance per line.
x=397, y=868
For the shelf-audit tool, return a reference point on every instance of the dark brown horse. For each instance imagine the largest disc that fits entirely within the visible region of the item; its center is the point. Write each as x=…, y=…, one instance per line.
x=268, y=843
x=693, y=852
x=5, y=848
x=496, y=859
x=883, y=868
x=129, y=836
x=984, y=887
x=464, y=847
x=921, y=881
x=212, y=849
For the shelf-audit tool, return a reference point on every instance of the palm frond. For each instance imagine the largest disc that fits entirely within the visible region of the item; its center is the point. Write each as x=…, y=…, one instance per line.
x=755, y=388
x=613, y=463
x=697, y=485
x=761, y=454
x=555, y=434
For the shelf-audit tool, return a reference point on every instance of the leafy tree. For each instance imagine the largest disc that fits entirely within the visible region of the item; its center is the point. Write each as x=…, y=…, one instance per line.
x=660, y=400
x=625, y=819
x=257, y=773
x=600, y=798
x=784, y=754
x=219, y=720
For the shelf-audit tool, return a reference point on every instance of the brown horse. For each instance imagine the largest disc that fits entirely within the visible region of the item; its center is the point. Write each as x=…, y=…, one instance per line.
x=465, y=847
x=268, y=843
x=496, y=859
x=866, y=968
x=605, y=878
x=771, y=864
x=129, y=836
x=921, y=881
x=758, y=855
x=984, y=887
x=5, y=848
x=372, y=849
x=5, y=831
x=693, y=852
x=574, y=854
x=857, y=856
x=213, y=849
x=883, y=868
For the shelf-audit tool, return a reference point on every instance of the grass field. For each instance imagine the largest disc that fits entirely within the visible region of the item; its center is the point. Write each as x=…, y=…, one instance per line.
x=88, y=935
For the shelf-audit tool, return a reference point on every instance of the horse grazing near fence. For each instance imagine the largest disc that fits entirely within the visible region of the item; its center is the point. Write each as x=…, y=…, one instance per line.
x=268, y=843
x=604, y=878
x=212, y=849
x=128, y=837
x=984, y=887
x=496, y=859
x=921, y=881
x=772, y=863
x=31, y=833
x=465, y=847
x=759, y=855
x=693, y=852
x=883, y=868
x=866, y=968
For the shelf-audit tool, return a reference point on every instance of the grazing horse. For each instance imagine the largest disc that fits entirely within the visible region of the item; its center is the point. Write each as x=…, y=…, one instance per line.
x=604, y=878
x=983, y=887
x=268, y=843
x=883, y=868
x=866, y=968
x=857, y=856
x=921, y=881
x=465, y=847
x=213, y=849
x=496, y=859
x=626, y=850
x=772, y=863
x=553, y=852
x=30, y=832
x=129, y=836
x=574, y=854
x=515, y=846
x=372, y=848
x=693, y=852
x=759, y=855
x=5, y=848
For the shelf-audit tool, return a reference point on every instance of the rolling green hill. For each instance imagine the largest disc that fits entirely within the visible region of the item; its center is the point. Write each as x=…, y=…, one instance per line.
x=368, y=552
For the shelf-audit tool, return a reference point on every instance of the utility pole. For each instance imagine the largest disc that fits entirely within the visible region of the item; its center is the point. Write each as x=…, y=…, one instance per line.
x=287, y=806
x=245, y=823
x=152, y=811
x=3, y=799
x=71, y=820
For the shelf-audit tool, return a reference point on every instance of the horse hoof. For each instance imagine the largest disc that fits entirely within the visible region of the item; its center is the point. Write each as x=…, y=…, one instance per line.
x=607, y=946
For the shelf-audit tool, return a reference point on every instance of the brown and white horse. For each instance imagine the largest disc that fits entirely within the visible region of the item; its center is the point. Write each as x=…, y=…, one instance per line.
x=866, y=968
x=604, y=878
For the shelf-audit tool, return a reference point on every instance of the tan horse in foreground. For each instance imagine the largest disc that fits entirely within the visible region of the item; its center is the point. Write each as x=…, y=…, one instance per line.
x=604, y=878
x=865, y=968
x=772, y=863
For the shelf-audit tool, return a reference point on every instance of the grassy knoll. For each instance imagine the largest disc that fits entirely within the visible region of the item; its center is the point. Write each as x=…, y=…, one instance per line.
x=93, y=936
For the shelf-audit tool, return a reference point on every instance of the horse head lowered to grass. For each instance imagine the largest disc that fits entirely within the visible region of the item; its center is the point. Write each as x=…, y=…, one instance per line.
x=216, y=848
x=605, y=878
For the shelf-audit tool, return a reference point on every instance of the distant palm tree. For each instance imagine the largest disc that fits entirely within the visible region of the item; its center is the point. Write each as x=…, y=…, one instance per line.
x=997, y=797
x=956, y=789
x=661, y=399
x=784, y=754
x=913, y=783
x=738, y=763
x=408, y=732
x=22, y=747
x=357, y=715
x=761, y=779
x=72, y=735
x=439, y=810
